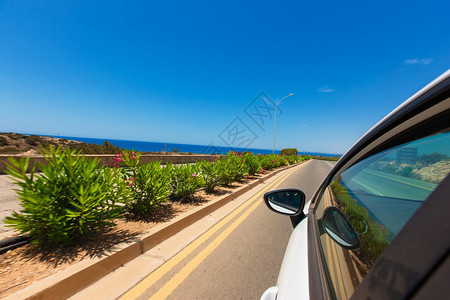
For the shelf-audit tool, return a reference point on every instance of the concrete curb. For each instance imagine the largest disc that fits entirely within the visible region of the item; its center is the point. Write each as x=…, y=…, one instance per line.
x=79, y=276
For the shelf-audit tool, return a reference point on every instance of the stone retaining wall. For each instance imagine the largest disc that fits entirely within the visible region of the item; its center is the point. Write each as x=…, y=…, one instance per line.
x=106, y=158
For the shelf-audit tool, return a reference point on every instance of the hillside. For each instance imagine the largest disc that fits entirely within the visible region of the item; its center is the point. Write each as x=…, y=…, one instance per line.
x=16, y=143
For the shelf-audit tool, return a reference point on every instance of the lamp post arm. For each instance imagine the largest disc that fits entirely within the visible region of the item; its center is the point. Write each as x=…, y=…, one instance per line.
x=274, y=128
x=275, y=120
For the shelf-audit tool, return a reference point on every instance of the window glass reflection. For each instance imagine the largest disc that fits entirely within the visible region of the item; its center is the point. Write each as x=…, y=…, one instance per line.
x=378, y=196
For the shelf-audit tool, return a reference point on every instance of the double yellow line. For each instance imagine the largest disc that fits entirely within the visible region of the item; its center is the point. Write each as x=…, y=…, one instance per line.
x=175, y=281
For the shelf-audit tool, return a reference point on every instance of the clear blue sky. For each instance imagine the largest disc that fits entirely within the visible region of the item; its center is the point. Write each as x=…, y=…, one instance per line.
x=182, y=71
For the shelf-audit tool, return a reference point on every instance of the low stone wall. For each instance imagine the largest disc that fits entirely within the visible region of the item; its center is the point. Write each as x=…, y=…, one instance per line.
x=106, y=158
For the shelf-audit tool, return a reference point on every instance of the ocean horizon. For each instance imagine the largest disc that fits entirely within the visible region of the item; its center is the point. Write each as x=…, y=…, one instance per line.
x=170, y=147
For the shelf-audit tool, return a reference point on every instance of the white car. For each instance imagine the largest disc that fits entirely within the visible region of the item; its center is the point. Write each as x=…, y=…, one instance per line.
x=378, y=227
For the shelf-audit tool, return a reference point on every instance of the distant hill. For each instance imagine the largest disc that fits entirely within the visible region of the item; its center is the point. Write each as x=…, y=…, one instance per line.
x=16, y=143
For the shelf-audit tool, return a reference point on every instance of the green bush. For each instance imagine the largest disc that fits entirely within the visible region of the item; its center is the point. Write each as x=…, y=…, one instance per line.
x=73, y=197
x=86, y=148
x=148, y=183
x=3, y=141
x=225, y=172
x=429, y=159
x=33, y=140
x=231, y=167
x=237, y=165
x=10, y=150
x=210, y=174
x=184, y=180
x=253, y=164
x=289, y=151
x=271, y=161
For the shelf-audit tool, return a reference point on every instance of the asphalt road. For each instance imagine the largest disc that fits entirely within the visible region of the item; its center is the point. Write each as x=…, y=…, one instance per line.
x=244, y=259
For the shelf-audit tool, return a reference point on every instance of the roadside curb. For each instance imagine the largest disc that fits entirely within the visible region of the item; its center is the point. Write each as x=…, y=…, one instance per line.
x=84, y=273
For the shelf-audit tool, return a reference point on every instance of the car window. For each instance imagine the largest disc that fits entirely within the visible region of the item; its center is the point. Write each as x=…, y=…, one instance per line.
x=378, y=196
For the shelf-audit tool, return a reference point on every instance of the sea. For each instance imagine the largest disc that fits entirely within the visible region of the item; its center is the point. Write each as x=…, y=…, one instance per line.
x=170, y=147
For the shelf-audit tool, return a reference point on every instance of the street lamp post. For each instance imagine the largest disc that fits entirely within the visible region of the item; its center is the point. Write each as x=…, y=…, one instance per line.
x=275, y=121
x=296, y=137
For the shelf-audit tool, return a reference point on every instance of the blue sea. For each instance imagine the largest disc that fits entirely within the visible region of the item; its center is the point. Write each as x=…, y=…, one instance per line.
x=169, y=147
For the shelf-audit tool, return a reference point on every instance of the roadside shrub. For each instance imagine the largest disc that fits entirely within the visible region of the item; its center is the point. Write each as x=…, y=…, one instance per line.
x=73, y=197
x=320, y=157
x=210, y=175
x=269, y=162
x=33, y=140
x=252, y=162
x=86, y=148
x=14, y=136
x=3, y=141
x=429, y=159
x=289, y=151
x=10, y=150
x=184, y=180
x=231, y=167
x=224, y=169
x=148, y=183
x=237, y=164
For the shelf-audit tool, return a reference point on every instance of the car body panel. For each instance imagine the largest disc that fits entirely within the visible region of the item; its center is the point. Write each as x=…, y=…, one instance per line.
x=293, y=280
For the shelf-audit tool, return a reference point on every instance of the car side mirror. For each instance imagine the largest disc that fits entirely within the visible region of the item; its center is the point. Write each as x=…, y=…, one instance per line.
x=339, y=228
x=285, y=201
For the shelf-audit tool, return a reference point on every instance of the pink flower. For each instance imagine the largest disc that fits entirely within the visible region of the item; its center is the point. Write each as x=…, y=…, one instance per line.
x=273, y=162
x=133, y=157
x=194, y=175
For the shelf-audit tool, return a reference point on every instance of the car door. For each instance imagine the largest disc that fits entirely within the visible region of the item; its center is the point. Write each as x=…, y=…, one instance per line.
x=378, y=196
x=381, y=186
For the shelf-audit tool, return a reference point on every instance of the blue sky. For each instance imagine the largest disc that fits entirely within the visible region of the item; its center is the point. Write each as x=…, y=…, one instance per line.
x=184, y=71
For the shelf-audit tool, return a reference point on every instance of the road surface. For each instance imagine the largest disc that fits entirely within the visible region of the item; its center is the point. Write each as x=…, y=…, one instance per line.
x=239, y=261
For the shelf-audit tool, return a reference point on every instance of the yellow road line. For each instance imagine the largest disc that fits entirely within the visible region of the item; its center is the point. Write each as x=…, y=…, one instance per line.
x=167, y=266
x=425, y=188
x=175, y=281
x=342, y=289
x=333, y=260
x=333, y=266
